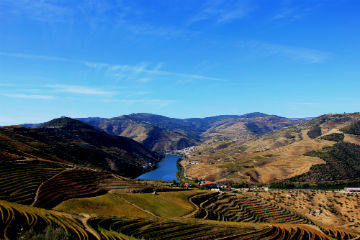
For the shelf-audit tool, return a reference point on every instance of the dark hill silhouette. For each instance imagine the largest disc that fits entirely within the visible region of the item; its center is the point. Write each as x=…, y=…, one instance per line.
x=66, y=140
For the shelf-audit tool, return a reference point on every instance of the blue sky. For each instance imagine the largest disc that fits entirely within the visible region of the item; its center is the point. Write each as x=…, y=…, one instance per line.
x=179, y=58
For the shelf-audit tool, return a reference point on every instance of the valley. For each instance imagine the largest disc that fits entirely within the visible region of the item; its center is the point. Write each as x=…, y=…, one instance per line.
x=71, y=180
x=179, y=120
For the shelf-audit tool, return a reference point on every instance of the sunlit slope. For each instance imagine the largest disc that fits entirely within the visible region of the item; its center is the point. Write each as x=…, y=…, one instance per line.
x=323, y=208
x=275, y=156
x=163, y=204
x=94, y=218
x=160, y=133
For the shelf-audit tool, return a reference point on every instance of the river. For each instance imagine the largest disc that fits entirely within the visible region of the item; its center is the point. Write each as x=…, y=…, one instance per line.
x=166, y=170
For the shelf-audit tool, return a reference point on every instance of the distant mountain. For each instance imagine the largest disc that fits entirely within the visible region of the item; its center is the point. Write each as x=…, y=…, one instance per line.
x=163, y=134
x=69, y=141
x=160, y=133
x=324, y=150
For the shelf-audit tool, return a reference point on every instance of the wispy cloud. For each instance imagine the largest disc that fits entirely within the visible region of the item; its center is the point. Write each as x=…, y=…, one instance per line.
x=120, y=14
x=30, y=96
x=295, y=9
x=120, y=70
x=117, y=70
x=285, y=13
x=78, y=89
x=38, y=10
x=222, y=11
x=307, y=55
x=34, y=56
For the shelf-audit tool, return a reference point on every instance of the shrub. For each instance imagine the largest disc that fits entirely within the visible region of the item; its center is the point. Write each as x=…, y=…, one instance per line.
x=314, y=132
x=337, y=137
x=353, y=128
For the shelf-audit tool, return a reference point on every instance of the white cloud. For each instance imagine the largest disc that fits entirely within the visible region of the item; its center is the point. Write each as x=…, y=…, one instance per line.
x=78, y=89
x=30, y=96
x=307, y=55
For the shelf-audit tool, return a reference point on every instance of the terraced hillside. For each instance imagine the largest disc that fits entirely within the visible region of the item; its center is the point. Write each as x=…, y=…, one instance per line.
x=243, y=208
x=22, y=221
x=19, y=221
x=75, y=183
x=327, y=208
x=191, y=229
x=19, y=180
x=25, y=222
x=318, y=146
x=45, y=184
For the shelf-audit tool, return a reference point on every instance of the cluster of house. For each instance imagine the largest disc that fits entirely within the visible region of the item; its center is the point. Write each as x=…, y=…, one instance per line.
x=215, y=186
x=193, y=163
x=187, y=151
x=255, y=189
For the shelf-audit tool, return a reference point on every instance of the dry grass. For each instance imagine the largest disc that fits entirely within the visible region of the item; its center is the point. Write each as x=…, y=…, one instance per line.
x=249, y=162
x=336, y=208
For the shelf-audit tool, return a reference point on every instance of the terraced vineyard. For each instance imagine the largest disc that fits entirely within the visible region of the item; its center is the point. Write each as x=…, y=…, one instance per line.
x=16, y=219
x=242, y=208
x=341, y=234
x=20, y=180
x=181, y=229
x=169, y=229
x=75, y=183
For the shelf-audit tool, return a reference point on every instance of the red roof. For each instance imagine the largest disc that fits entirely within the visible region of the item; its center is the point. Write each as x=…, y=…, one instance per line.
x=208, y=183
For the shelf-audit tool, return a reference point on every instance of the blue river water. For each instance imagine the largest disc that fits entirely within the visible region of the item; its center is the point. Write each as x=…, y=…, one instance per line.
x=166, y=170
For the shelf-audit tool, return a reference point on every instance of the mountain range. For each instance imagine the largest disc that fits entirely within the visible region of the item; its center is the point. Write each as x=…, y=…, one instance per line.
x=163, y=134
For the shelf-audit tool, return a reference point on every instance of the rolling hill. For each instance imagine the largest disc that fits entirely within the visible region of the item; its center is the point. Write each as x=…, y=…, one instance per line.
x=160, y=133
x=322, y=150
x=68, y=141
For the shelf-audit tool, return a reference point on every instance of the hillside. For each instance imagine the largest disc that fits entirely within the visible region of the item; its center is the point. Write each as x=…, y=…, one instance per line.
x=160, y=133
x=324, y=149
x=208, y=215
x=69, y=141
